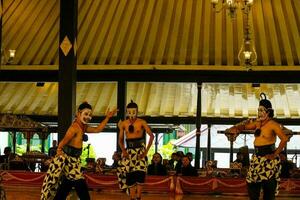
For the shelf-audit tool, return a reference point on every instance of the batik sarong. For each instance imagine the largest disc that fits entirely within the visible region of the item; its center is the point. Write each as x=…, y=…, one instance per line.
x=131, y=164
x=66, y=166
x=262, y=169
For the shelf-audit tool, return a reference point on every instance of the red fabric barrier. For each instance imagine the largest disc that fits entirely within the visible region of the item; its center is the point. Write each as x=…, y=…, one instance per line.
x=289, y=186
x=228, y=186
x=15, y=178
x=94, y=181
x=102, y=182
x=155, y=184
x=193, y=185
x=159, y=184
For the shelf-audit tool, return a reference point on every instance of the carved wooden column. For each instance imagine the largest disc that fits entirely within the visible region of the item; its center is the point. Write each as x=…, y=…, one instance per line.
x=43, y=136
x=28, y=135
x=198, y=127
x=231, y=138
x=67, y=65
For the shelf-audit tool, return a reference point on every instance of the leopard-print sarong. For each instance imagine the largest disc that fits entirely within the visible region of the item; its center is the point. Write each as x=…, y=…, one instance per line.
x=65, y=165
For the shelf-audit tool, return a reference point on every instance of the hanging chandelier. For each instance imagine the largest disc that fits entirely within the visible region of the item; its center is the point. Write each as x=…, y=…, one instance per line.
x=231, y=6
x=247, y=54
x=7, y=56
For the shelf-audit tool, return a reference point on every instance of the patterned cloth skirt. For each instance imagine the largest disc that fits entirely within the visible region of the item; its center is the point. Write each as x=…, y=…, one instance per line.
x=60, y=166
x=262, y=169
x=131, y=164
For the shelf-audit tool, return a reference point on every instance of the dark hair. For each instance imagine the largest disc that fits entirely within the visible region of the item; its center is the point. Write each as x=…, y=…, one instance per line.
x=84, y=105
x=132, y=104
x=161, y=158
x=185, y=156
x=266, y=104
x=7, y=150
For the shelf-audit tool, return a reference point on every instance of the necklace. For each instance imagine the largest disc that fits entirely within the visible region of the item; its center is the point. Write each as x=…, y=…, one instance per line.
x=258, y=130
x=131, y=127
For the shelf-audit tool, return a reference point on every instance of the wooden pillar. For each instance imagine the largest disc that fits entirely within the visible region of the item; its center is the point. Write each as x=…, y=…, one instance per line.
x=121, y=106
x=14, y=135
x=198, y=128
x=28, y=135
x=67, y=65
x=43, y=146
x=1, y=26
x=208, y=154
x=231, y=138
x=156, y=141
x=43, y=136
x=231, y=152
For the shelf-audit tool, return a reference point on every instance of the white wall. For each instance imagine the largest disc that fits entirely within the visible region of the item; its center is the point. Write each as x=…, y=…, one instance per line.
x=3, y=141
x=104, y=145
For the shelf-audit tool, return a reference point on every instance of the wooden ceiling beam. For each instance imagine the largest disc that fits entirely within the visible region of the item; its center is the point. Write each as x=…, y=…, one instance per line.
x=170, y=120
x=156, y=76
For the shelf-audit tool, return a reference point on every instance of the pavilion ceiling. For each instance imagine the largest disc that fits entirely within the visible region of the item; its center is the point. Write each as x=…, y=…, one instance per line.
x=139, y=33
x=152, y=34
x=156, y=99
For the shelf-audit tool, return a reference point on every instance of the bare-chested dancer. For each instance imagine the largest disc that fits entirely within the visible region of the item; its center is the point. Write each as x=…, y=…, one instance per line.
x=265, y=163
x=64, y=171
x=134, y=155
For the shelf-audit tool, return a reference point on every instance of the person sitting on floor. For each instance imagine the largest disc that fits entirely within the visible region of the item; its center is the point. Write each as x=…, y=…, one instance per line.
x=186, y=168
x=286, y=166
x=172, y=162
x=116, y=158
x=156, y=167
x=4, y=159
x=53, y=149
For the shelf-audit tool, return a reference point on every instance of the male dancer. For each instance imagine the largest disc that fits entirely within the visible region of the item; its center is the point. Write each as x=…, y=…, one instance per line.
x=64, y=171
x=134, y=156
x=265, y=163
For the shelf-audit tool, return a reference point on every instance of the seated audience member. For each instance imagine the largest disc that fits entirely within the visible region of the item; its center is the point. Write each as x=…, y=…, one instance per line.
x=51, y=153
x=8, y=155
x=116, y=158
x=156, y=167
x=239, y=158
x=242, y=159
x=4, y=159
x=186, y=168
x=52, y=150
x=286, y=166
x=178, y=165
x=190, y=156
x=173, y=161
x=236, y=165
x=168, y=167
